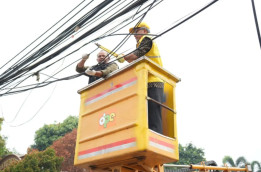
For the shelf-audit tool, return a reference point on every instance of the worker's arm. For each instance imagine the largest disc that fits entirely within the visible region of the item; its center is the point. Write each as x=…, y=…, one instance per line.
x=98, y=73
x=143, y=48
x=81, y=69
x=112, y=67
x=80, y=66
x=129, y=58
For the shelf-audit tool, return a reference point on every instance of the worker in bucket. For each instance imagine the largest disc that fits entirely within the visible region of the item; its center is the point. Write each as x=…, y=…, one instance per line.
x=147, y=47
x=95, y=72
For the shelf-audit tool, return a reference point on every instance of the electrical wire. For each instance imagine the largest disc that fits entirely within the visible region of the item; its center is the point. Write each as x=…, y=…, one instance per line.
x=179, y=23
x=119, y=45
x=15, y=70
x=30, y=119
x=186, y=19
x=141, y=17
x=46, y=82
x=99, y=16
x=41, y=36
x=21, y=72
x=166, y=30
x=26, y=98
x=17, y=74
x=25, y=101
x=256, y=22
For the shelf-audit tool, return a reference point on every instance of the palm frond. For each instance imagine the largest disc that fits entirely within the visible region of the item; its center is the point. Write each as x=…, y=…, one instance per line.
x=256, y=163
x=241, y=162
x=229, y=161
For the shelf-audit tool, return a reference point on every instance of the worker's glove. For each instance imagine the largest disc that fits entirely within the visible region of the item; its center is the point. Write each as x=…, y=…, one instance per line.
x=85, y=56
x=120, y=58
x=90, y=72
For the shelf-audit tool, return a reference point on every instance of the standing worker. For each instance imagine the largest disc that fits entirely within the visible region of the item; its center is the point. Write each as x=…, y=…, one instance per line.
x=147, y=47
x=95, y=72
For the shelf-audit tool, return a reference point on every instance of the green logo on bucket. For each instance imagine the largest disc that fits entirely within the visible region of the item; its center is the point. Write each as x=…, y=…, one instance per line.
x=106, y=118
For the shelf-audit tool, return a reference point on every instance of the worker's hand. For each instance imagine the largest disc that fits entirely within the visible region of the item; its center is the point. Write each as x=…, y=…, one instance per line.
x=85, y=56
x=120, y=58
x=90, y=72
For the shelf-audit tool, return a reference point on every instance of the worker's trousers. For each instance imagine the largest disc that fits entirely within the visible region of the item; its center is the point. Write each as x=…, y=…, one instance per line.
x=154, y=109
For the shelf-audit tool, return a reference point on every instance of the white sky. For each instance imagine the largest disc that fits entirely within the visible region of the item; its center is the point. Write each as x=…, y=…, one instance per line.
x=216, y=54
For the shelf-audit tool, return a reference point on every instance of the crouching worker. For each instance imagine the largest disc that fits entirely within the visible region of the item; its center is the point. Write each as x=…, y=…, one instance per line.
x=95, y=72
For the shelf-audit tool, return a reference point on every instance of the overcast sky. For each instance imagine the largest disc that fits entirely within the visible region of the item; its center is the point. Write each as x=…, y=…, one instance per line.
x=216, y=54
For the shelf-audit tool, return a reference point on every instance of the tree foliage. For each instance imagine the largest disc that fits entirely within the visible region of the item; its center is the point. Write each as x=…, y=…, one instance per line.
x=229, y=161
x=190, y=154
x=45, y=136
x=45, y=161
x=3, y=150
x=256, y=166
x=65, y=147
x=240, y=162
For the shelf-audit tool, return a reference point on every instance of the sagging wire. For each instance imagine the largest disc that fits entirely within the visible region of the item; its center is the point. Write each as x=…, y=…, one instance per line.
x=37, y=110
x=48, y=75
x=161, y=34
x=133, y=6
x=38, y=53
x=127, y=54
x=38, y=75
x=15, y=72
x=69, y=54
x=179, y=23
x=40, y=36
x=84, y=26
x=128, y=35
x=256, y=22
x=58, y=29
x=186, y=19
x=48, y=67
x=21, y=72
x=102, y=63
x=100, y=16
x=45, y=83
x=38, y=71
x=26, y=98
x=112, y=34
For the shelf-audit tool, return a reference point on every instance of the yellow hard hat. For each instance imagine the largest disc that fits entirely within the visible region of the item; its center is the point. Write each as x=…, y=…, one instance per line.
x=142, y=24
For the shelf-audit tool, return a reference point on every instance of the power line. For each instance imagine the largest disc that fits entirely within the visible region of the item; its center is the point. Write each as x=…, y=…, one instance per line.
x=186, y=19
x=179, y=23
x=30, y=119
x=256, y=22
x=26, y=98
x=47, y=83
x=40, y=36
x=114, y=16
x=17, y=70
x=133, y=6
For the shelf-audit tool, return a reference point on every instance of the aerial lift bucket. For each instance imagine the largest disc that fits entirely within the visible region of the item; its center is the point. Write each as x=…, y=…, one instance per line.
x=113, y=123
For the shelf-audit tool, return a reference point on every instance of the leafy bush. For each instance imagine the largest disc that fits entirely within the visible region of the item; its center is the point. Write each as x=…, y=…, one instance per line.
x=45, y=161
x=45, y=136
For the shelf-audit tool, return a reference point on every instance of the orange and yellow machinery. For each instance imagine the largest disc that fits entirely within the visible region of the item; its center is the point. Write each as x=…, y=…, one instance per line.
x=113, y=128
x=209, y=166
x=113, y=133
